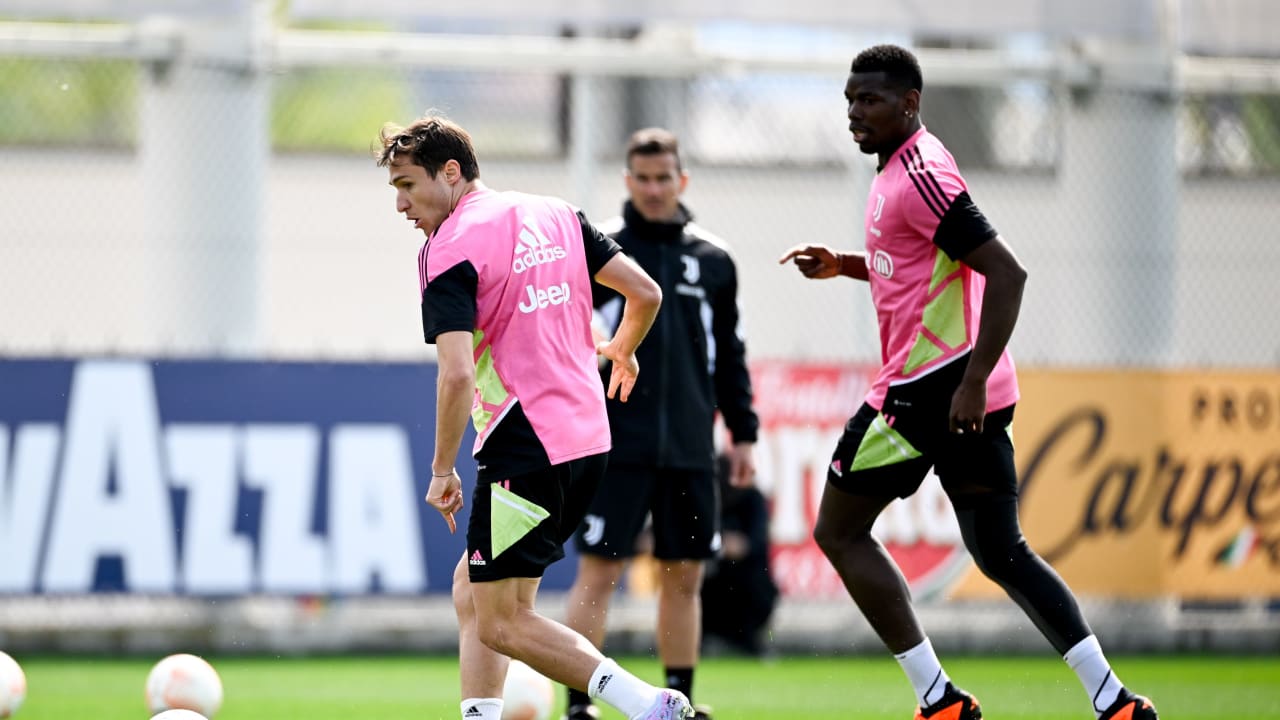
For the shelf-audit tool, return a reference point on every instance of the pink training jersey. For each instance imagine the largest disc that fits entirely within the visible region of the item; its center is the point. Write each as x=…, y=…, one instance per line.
x=533, y=341
x=928, y=304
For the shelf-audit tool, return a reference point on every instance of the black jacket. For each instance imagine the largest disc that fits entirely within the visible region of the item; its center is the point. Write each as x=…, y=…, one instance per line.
x=693, y=360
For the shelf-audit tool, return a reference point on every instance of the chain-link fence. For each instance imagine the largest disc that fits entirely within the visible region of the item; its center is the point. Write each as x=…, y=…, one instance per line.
x=1148, y=221
x=162, y=200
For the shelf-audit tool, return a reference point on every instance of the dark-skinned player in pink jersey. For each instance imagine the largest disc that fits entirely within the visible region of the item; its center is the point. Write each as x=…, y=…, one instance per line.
x=947, y=290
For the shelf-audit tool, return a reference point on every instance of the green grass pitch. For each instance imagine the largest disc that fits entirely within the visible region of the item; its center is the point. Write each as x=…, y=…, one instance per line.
x=425, y=688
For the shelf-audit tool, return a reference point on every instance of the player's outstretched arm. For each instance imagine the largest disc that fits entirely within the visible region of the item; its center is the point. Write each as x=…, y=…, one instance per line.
x=643, y=297
x=818, y=262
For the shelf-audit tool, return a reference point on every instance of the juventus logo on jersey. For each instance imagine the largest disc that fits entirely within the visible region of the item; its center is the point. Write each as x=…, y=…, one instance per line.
x=692, y=270
x=875, y=215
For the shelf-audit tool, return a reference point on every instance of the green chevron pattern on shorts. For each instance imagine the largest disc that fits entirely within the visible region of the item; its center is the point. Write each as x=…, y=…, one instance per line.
x=881, y=446
x=511, y=517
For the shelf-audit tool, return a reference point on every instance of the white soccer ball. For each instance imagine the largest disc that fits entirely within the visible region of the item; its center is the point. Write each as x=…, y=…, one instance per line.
x=179, y=715
x=184, y=682
x=526, y=695
x=13, y=686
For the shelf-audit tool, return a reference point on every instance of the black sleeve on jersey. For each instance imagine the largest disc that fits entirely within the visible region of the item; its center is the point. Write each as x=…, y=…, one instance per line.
x=732, y=380
x=600, y=248
x=449, y=302
x=963, y=228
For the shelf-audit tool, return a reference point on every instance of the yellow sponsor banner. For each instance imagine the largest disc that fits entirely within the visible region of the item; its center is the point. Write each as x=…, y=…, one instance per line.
x=1146, y=483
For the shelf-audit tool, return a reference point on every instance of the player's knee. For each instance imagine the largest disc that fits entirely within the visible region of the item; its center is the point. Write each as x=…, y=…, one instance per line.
x=496, y=634
x=1004, y=559
x=463, y=604
x=833, y=540
x=682, y=581
x=989, y=526
x=599, y=576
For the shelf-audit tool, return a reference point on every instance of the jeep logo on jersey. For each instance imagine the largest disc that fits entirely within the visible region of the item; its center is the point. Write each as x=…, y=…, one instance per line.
x=540, y=297
x=533, y=248
x=882, y=264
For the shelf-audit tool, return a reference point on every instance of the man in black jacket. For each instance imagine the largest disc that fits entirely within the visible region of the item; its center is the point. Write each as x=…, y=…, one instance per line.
x=663, y=459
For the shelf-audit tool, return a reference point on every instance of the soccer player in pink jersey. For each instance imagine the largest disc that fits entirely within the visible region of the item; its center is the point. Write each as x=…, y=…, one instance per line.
x=947, y=290
x=505, y=282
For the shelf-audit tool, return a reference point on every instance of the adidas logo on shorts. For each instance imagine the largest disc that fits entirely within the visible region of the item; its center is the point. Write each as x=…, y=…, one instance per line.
x=477, y=558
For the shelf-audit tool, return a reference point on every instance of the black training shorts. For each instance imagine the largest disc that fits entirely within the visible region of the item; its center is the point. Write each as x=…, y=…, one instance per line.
x=887, y=453
x=519, y=524
x=682, y=502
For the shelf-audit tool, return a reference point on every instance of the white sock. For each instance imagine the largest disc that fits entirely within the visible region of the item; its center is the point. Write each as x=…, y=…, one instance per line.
x=924, y=671
x=482, y=709
x=621, y=689
x=1090, y=665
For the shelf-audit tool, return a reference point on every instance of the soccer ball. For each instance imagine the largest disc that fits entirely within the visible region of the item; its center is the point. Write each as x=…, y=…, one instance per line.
x=13, y=686
x=184, y=682
x=526, y=695
x=179, y=715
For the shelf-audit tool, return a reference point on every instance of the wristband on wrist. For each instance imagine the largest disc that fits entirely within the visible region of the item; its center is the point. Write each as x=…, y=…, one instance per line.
x=451, y=472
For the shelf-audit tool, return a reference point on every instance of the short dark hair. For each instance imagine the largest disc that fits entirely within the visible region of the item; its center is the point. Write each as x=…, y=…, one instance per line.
x=653, y=141
x=430, y=141
x=898, y=64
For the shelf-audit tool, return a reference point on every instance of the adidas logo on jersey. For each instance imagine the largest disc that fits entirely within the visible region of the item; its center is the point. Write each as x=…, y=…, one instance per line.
x=533, y=248
x=477, y=558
